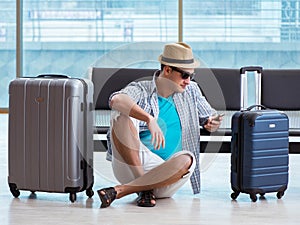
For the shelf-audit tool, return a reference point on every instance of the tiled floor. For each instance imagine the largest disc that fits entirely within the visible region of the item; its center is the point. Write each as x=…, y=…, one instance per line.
x=212, y=206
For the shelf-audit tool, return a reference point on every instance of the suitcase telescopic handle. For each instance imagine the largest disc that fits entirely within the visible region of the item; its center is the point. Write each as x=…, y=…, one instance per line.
x=52, y=76
x=253, y=106
x=244, y=69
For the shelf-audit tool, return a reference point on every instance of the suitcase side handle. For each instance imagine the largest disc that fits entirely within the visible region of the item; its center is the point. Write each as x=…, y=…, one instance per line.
x=53, y=76
x=257, y=105
x=234, y=151
x=258, y=69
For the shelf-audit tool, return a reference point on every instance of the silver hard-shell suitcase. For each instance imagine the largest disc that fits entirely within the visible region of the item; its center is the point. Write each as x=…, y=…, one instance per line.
x=51, y=135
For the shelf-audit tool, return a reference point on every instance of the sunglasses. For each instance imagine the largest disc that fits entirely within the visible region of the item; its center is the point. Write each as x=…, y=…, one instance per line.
x=184, y=75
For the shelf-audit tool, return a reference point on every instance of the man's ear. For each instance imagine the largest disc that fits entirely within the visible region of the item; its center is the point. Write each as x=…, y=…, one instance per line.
x=167, y=70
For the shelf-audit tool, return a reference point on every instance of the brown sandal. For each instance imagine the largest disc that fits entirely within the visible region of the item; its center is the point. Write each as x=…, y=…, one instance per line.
x=108, y=197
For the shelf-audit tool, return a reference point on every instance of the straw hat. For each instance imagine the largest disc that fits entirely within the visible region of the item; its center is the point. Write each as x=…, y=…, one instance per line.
x=178, y=55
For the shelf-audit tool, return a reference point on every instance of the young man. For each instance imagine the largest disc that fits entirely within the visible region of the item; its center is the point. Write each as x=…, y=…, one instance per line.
x=154, y=138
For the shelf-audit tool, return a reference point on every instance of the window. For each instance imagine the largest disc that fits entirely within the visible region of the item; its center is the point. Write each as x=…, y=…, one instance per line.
x=7, y=48
x=235, y=33
x=70, y=36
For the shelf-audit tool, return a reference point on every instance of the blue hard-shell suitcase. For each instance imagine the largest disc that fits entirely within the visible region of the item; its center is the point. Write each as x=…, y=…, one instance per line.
x=259, y=152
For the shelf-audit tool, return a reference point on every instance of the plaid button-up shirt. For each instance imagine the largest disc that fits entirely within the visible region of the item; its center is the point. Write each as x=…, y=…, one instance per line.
x=193, y=110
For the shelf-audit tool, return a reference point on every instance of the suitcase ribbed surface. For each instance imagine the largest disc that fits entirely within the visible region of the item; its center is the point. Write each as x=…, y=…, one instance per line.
x=265, y=156
x=260, y=146
x=50, y=135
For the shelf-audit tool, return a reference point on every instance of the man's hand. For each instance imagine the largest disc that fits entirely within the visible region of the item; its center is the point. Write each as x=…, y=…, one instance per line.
x=157, y=136
x=213, y=123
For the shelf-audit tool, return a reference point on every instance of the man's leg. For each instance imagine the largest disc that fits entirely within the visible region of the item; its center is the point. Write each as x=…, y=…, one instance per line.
x=126, y=146
x=163, y=175
x=165, y=179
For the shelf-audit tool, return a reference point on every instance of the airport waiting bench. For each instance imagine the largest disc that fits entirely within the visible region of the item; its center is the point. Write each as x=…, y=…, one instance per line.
x=281, y=90
x=221, y=87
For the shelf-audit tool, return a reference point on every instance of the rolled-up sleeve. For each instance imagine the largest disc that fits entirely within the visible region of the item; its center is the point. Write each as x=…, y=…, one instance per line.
x=133, y=90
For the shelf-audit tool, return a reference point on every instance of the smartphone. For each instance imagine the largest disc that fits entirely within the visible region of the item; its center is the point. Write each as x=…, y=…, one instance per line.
x=217, y=118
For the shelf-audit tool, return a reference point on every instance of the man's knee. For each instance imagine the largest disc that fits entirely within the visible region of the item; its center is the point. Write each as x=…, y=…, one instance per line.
x=121, y=121
x=184, y=161
x=124, y=133
x=188, y=160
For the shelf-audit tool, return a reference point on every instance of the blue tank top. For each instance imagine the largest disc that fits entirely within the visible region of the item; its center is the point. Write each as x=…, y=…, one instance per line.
x=169, y=123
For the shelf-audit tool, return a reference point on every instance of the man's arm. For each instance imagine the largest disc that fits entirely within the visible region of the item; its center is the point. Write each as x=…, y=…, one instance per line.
x=204, y=108
x=125, y=105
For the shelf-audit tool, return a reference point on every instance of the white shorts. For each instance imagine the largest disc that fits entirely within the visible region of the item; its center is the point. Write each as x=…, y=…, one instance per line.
x=149, y=160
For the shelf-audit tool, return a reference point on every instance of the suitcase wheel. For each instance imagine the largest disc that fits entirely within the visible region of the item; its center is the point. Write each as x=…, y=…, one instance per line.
x=13, y=189
x=15, y=193
x=234, y=195
x=72, y=197
x=253, y=197
x=89, y=193
x=280, y=194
